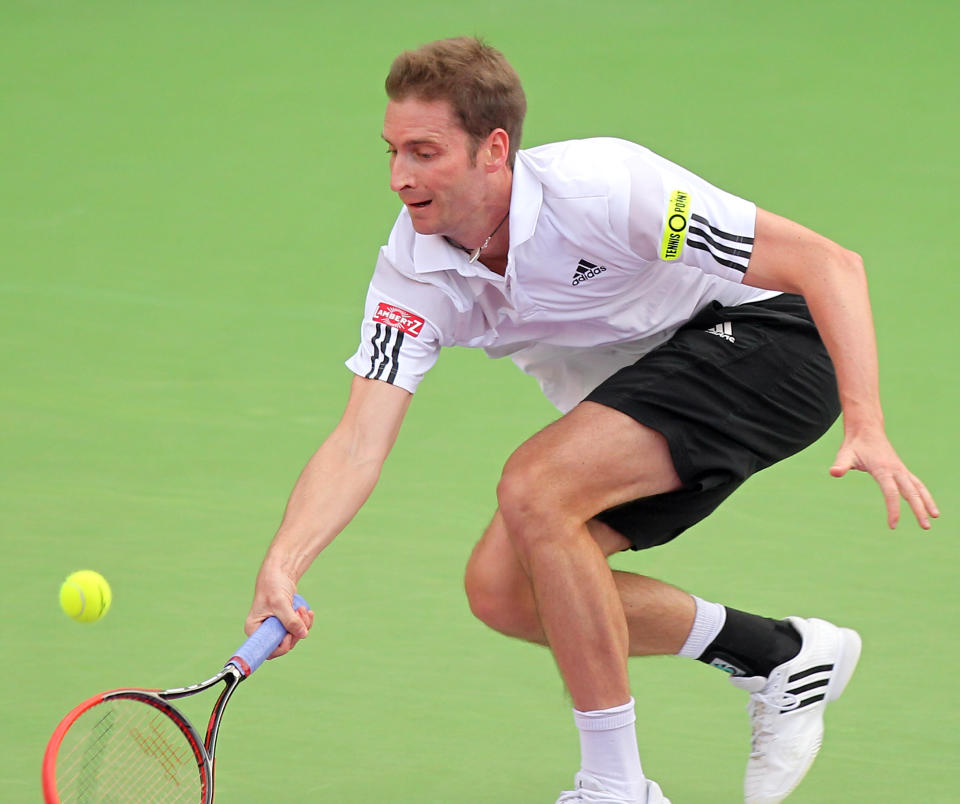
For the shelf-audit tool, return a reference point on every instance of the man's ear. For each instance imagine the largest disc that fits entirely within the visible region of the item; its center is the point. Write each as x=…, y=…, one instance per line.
x=495, y=150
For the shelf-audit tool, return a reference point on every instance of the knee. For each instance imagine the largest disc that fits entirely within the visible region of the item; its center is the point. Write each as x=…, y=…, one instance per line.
x=485, y=603
x=526, y=493
x=499, y=596
x=485, y=590
x=540, y=509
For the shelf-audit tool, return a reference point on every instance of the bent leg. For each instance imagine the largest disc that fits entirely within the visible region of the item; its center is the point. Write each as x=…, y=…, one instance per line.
x=590, y=460
x=659, y=616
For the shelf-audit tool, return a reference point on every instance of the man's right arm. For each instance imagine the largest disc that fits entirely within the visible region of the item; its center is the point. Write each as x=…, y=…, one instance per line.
x=333, y=486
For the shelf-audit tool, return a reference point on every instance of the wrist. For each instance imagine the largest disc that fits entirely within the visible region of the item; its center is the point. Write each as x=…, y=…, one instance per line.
x=285, y=564
x=859, y=427
x=862, y=417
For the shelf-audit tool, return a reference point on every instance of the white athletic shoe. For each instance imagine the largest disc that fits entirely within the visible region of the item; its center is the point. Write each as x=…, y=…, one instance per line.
x=589, y=790
x=786, y=709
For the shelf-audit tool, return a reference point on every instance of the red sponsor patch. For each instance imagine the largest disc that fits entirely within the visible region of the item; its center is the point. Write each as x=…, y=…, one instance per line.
x=397, y=317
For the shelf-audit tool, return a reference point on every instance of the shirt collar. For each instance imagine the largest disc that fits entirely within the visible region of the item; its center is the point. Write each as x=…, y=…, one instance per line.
x=526, y=198
x=433, y=253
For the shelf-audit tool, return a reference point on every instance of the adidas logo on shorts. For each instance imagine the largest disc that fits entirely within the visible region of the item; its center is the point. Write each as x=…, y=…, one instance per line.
x=724, y=330
x=586, y=270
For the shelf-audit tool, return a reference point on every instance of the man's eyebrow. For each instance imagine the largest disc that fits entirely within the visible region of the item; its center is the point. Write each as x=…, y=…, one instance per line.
x=413, y=143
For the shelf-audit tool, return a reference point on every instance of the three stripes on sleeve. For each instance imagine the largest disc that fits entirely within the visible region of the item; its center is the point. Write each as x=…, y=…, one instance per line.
x=386, y=342
x=730, y=250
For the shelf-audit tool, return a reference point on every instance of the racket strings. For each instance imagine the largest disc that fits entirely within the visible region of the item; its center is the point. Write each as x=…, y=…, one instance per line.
x=127, y=750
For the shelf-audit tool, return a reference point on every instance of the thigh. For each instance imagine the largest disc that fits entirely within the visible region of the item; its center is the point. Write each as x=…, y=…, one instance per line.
x=589, y=460
x=735, y=390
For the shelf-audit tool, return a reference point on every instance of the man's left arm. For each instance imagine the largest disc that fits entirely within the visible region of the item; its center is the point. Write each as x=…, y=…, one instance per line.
x=788, y=257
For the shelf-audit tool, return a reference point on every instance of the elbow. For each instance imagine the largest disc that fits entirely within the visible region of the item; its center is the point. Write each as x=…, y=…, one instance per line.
x=835, y=260
x=852, y=261
x=850, y=266
x=840, y=271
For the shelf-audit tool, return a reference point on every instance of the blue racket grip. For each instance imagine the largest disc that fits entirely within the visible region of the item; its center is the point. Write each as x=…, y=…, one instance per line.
x=262, y=642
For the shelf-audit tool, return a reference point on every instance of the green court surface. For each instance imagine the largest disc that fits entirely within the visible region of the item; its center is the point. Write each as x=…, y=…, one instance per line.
x=191, y=199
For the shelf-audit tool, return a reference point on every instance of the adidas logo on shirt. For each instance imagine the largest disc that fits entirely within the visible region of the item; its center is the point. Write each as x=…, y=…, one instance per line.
x=724, y=330
x=586, y=270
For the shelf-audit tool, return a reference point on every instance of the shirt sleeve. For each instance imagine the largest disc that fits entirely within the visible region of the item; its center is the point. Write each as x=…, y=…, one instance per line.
x=398, y=345
x=676, y=216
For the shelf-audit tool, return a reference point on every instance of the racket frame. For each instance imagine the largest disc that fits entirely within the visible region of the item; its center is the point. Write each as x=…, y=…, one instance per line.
x=245, y=661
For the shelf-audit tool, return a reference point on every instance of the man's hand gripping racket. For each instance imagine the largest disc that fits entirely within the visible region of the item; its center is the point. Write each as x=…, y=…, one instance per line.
x=134, y=745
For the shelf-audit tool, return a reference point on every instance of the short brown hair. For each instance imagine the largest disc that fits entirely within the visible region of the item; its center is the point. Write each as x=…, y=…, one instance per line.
x=478, y=82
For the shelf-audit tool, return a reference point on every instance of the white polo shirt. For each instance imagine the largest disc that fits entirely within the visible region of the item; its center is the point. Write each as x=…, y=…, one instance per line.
x=612, y=248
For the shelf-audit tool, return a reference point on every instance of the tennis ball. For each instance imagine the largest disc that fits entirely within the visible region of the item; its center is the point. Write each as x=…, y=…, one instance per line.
x=85, y=596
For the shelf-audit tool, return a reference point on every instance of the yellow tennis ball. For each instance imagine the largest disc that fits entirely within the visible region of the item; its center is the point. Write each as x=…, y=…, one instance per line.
x=85, y=596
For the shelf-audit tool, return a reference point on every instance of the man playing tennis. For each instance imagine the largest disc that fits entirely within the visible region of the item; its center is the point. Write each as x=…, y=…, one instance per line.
x=673, y=324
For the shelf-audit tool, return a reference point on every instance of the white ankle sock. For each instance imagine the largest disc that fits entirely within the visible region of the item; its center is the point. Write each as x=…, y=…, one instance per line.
x=707, y=624
x=608, y=749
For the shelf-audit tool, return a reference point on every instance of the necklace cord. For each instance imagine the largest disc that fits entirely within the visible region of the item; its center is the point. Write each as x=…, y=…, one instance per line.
x=475, y=253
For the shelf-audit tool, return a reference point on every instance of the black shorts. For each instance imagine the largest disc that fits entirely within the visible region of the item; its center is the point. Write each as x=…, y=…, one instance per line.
x=735, y=390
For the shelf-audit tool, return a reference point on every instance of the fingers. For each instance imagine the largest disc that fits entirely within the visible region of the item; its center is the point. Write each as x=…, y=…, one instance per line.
x=296, y=622
x=895, y=480
x=846, y=460
x=921, y=501
x=274, y=597
x=285, y=646
x=303, y=622
x=891, y=497
x=841, y=467
x=929, y=503
x=298, y=625
x=897, y=485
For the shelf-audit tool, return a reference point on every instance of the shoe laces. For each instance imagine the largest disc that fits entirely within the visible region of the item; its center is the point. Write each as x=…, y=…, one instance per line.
x=763, y=708
x=585, y=795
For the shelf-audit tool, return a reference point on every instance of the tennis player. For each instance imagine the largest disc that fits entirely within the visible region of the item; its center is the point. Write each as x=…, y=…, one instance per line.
x=689, y=338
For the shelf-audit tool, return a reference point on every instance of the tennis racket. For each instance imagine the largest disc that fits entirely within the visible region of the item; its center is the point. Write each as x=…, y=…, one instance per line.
x=133, y=745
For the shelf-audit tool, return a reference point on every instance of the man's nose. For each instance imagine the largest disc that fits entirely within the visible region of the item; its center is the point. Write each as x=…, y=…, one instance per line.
x=400, y=175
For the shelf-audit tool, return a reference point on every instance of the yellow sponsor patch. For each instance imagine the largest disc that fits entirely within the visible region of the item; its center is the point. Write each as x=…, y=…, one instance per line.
x=675, y=227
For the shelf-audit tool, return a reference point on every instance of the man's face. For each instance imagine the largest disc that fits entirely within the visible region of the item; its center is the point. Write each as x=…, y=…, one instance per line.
x=430, y=168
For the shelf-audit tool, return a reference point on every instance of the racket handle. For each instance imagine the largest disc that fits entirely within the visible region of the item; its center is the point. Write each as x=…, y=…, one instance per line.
x=262, y=642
